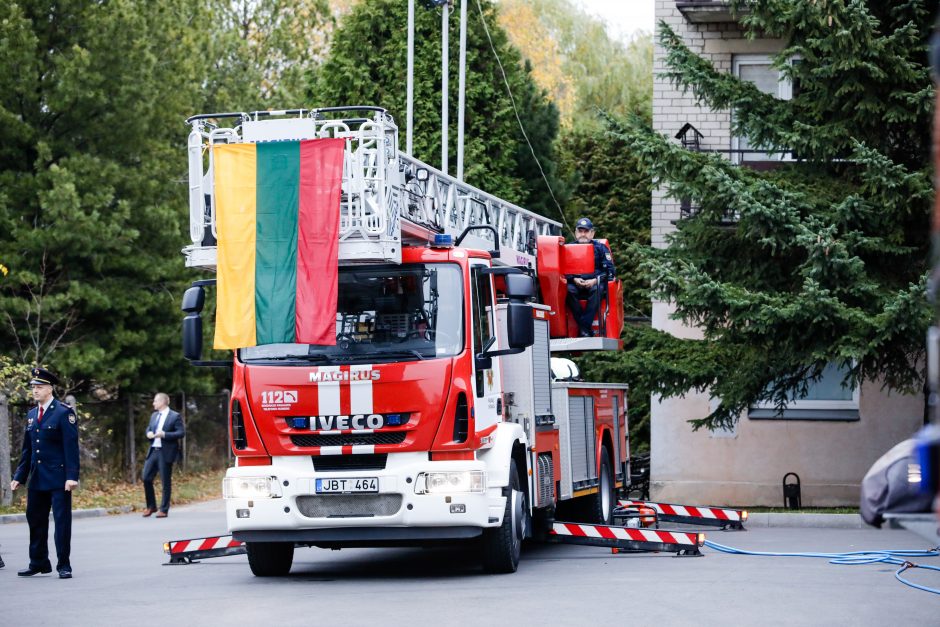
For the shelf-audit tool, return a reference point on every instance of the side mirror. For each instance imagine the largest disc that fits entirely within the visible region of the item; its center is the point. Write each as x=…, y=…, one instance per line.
x=519, y=286
x=194, y=298
x=192, y=337
x=520, y=328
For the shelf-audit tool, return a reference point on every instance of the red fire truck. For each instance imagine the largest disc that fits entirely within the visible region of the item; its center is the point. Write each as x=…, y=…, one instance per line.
x=435, y=416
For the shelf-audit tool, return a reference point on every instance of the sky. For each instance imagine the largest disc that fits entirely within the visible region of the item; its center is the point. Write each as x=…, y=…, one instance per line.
x=624, y=18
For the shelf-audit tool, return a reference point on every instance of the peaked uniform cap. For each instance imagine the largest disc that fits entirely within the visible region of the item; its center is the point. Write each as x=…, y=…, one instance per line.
x=41, y=376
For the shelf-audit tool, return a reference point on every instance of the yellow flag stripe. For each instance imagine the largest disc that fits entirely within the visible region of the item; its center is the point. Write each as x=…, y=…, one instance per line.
x=235, y=196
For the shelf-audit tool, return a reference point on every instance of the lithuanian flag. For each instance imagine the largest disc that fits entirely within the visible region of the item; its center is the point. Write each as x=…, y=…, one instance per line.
x=277, y=221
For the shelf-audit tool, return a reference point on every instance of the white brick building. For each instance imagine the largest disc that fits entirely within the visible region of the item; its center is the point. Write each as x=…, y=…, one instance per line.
x=831, y=438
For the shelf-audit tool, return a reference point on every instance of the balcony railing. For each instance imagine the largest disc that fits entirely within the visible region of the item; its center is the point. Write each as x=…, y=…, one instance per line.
x=691, y=139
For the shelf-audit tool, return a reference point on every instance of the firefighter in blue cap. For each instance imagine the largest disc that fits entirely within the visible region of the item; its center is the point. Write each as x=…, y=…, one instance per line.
x=589, y=288
x=49, y=468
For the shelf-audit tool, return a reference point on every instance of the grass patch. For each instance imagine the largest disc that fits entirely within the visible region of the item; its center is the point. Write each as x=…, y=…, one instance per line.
x=95, y=492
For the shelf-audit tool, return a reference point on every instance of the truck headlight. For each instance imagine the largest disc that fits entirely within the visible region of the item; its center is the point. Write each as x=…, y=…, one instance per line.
x=450, y=482
x=250, y=488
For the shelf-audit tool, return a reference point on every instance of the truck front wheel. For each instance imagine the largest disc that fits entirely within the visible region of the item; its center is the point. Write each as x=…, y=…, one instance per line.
x=270, y=559
x=502, y=545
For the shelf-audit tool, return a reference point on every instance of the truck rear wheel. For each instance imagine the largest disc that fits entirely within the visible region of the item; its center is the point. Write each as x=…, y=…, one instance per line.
x=601, y=504
x=270, y=559
x=502, y=545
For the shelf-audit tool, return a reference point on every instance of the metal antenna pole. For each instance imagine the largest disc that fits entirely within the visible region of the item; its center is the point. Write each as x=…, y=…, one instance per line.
x=461, y=88
x=444, y=68
x=411, y=77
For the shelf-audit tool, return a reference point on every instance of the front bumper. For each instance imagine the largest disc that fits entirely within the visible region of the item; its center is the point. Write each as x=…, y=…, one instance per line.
x=396, y=513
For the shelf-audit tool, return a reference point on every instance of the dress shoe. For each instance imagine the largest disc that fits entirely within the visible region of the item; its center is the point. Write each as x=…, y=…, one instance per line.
x=148, y=512
x=65, y=573
x=30, y=571
x=161, y=514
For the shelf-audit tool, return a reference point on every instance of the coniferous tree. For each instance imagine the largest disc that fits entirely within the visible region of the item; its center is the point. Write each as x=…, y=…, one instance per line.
x=367, y=65
x=92, y=99
x=825, y=259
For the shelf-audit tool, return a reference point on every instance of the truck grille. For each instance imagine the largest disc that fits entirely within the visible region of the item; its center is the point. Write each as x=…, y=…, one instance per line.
x=333, y=463
x=349, y=505
x=348, y=439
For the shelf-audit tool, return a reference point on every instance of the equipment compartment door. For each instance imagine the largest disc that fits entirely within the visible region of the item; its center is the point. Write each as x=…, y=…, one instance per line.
x=581, y=425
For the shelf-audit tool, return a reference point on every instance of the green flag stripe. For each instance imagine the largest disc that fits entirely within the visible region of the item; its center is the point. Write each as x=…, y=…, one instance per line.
x=278, y=184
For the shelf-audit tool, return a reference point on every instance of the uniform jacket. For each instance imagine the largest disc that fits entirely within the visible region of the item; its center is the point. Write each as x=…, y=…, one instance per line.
x=175, y=431
x=50, y=448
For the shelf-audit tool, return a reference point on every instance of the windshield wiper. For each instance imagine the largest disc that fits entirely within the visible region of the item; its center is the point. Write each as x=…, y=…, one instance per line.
x=310, y=358
x=402, y=353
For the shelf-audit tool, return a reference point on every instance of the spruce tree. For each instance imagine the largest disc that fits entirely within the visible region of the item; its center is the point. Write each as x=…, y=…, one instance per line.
x=367, y=65
x=92, y=201
x=824, y=259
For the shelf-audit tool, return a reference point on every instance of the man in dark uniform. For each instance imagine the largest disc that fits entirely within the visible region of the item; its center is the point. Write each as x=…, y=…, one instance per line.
x=589, y=288
x=49, y=468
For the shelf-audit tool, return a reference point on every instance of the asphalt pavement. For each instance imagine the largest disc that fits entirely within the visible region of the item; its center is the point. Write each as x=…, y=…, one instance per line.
x=120, y=578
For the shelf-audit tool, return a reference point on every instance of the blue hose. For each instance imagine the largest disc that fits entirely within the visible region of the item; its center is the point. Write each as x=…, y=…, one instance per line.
x=854, y=558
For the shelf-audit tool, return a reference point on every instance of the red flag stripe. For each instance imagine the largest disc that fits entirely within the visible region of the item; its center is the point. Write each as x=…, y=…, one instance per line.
x=321, y=180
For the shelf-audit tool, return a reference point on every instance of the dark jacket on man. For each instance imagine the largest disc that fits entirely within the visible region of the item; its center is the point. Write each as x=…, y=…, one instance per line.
x=160, y=459
x=175, y=431
x=50, y=448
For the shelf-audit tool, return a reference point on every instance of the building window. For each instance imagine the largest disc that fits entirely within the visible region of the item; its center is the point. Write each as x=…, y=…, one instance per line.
x=759, y=69
x=825, y=399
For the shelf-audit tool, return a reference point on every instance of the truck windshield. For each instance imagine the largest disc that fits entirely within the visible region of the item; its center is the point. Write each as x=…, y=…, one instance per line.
x=386, y=313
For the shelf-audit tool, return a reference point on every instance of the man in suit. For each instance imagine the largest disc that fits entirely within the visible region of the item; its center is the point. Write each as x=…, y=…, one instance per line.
x=164, y=432
x=49, y=468
x=589, y=288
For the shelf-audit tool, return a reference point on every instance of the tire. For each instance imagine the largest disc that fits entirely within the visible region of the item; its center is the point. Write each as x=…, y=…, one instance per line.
x=270, y=559
x=502, y=546
x=601, y=505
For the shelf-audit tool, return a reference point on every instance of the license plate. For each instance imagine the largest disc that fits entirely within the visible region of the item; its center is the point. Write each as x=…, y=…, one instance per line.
x=343, y=486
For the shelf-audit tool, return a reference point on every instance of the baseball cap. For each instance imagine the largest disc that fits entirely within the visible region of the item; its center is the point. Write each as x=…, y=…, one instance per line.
x=584, y=223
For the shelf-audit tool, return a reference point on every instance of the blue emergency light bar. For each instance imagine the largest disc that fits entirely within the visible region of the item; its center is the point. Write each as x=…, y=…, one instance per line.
x=443, y=240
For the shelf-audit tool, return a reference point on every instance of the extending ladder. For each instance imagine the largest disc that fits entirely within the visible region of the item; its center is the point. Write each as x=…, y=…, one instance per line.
x=389, y=198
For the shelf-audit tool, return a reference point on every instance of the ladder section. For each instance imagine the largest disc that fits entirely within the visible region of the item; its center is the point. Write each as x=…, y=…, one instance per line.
x=389, y=199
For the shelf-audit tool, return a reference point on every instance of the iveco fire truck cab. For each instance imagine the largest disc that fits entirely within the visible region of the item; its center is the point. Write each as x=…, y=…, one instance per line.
x=433, y=417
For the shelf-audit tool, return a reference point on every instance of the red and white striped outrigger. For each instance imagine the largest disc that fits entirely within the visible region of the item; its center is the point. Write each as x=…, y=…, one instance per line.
x=186, y=551
x=687, y=514
x=681, y=543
